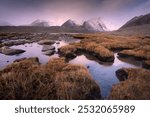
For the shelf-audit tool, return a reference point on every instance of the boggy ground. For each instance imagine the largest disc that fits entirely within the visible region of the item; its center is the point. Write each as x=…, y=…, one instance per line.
x=27, y=79
x=135, y=83
x=59, y=80
x=134, y=46
x=92, y=48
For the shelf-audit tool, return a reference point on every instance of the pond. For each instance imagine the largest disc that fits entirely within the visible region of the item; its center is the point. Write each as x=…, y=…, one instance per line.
x=103, y=74
x=32, y=50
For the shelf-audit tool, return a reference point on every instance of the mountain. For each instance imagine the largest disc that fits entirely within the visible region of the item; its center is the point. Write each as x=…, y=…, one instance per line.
x=95, y=25
x=70, y=24
x=137, y=21
x=4, y=23
x=139, y=25
x=40, y=23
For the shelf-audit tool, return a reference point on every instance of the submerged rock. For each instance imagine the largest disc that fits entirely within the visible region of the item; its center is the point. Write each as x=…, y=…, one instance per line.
x=46, y=42
x=47, y=47
x=10, y=51
x=49, y=52
x=135, y=87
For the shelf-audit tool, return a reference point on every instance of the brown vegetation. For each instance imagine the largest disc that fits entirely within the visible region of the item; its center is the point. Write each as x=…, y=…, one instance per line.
x=136, y=87
x=68, y=51
x=27, y=79
x=102, y=53
x=141, y=52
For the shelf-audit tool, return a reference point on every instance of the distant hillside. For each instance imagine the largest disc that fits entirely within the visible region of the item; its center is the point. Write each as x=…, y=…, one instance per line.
x=4, y=23
x=40, y=23
x=137, y=21
x=139, y=25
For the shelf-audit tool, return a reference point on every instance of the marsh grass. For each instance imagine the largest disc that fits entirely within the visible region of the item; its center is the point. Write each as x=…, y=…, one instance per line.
x=28, y=79
x=92, y=48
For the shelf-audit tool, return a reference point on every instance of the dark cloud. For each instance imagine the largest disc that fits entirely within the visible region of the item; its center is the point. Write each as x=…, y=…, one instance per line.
x=113, y=12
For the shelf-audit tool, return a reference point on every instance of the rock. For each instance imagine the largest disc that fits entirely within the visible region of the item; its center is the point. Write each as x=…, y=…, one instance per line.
x=58, y=42
x=10, y=51
x=47, y=47
x=49, y=52
x=146, y=64
x=46, y=42
x=121, y=74
x=14, y=42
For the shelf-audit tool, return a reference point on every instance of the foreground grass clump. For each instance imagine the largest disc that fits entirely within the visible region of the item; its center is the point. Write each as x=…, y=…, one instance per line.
x=27, y=79
x=134, y=85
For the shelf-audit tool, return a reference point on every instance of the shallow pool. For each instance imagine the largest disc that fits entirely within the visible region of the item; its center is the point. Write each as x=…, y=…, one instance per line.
x=104, y=74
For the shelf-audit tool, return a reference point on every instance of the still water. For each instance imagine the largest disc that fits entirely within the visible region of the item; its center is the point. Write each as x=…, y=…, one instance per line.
x=103, y=74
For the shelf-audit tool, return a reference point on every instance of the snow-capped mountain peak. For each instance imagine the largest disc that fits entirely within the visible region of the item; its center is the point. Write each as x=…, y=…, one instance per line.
x=41, y=23
x=95, y=24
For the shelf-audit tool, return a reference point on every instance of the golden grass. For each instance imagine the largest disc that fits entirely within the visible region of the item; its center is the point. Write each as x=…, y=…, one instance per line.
x=67, y=49
x=141, y=52
x=56, y=80
x=92, y=48
x=116, y=42
x=136, y=87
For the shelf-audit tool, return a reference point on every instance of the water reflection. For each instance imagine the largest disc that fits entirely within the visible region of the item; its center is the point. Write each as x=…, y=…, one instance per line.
x=103, y=74
x=32, y=50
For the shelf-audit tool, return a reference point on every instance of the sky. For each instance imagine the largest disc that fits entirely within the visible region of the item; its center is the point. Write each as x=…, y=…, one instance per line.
x=114, y=13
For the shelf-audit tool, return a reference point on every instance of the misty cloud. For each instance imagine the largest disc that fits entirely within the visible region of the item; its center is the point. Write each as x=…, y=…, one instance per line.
x=114, y=12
